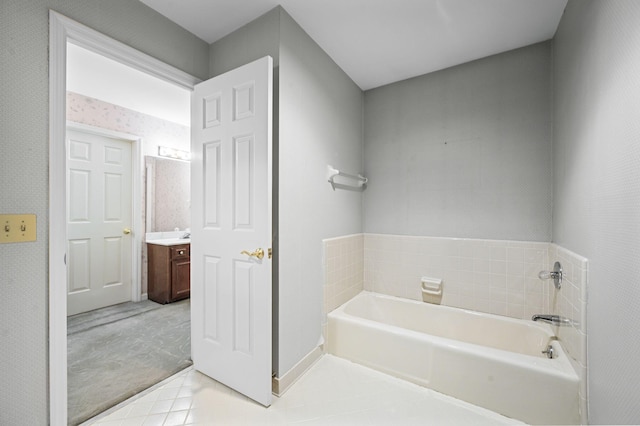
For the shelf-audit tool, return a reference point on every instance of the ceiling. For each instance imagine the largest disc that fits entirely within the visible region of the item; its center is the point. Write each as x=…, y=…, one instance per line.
x=377, y=42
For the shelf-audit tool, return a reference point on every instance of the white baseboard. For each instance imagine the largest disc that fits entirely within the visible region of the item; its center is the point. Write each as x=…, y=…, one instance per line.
x=279, y=385
x=144, y=296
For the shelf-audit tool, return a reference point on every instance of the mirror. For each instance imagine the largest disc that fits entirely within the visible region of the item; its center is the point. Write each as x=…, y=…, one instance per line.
x=167, y=203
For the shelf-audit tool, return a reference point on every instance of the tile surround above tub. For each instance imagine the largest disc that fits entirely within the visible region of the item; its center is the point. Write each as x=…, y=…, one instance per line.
x=571, y=302
x=493, y=276
x=343, y=266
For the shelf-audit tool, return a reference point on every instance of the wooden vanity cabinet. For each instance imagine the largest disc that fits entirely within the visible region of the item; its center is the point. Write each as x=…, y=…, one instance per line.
x=169, y=272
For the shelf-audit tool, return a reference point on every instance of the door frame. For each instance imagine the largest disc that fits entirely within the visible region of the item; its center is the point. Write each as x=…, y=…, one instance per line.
x=136, y=196
x=61, y=31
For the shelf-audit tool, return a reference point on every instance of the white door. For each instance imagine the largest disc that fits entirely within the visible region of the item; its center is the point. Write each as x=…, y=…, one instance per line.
x=231, y=213
x=98, y=222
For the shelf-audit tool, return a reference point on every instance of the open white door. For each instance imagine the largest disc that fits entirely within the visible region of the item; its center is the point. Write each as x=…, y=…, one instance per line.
x=231, y=179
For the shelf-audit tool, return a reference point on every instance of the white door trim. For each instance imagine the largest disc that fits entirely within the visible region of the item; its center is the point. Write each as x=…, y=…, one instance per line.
x=136, y=197
x=61, y=31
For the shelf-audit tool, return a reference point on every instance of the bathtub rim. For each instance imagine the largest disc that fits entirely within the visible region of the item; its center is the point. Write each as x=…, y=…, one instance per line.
x=560, y=365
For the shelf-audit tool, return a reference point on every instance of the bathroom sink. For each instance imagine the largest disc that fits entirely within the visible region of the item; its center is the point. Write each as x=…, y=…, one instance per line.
x=170, y=241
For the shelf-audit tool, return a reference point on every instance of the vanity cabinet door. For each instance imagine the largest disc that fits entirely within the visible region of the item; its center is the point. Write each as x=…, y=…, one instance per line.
x=169, y=272
x=181, y=278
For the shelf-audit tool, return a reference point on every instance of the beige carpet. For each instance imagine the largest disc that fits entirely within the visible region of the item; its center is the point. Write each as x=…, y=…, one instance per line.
x=117, y=352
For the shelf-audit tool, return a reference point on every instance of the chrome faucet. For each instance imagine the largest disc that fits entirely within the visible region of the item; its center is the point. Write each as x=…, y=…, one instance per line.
x=186, y=235
x=551, y=319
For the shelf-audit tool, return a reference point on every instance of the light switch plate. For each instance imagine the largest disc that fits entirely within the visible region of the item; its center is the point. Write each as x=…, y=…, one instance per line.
x=17, y=228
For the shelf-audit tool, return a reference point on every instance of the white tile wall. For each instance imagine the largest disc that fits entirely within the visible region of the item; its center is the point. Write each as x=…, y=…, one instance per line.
x=343, y=270
x=343, y=266
x=571, y=302
x=494, y=276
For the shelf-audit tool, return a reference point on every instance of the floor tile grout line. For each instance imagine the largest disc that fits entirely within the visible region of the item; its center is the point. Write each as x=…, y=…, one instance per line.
x=132, y=400
x=336, y=368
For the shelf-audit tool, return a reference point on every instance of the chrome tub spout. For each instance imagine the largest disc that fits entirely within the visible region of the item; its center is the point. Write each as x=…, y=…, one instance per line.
x=551, y=319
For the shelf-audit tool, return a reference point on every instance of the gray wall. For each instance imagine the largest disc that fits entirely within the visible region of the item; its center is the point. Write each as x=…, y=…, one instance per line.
x=24, y=87
x=320, y=124
x=463, y=152
x=255, y=40
x=258, y=38
x=597, y=189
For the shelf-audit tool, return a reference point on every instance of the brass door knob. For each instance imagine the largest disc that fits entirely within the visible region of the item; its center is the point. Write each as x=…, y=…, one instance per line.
x=126, y=231
x=259, y=253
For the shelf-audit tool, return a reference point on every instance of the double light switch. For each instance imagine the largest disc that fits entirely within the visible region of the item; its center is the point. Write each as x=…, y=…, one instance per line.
x=17, y=228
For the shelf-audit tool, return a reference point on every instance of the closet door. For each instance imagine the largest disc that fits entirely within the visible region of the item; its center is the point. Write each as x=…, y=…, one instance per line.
x=99, y=214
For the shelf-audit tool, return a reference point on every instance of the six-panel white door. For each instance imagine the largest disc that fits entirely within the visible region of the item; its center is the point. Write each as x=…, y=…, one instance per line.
x=98, y=221
x=231, y=180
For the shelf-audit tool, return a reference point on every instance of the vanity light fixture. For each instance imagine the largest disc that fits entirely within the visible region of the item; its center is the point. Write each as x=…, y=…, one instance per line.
x=165, y=151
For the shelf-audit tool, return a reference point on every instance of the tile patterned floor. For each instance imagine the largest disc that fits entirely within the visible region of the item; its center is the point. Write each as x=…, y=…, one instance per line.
x=333, y=392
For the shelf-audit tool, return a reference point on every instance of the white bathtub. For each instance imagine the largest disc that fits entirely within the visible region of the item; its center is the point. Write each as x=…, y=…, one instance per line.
x=488, y=360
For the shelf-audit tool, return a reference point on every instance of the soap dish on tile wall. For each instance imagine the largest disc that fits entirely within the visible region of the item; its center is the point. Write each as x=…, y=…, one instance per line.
x=431, y=290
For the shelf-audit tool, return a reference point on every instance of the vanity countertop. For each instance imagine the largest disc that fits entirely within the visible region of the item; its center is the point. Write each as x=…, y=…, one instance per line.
x=170, y=241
